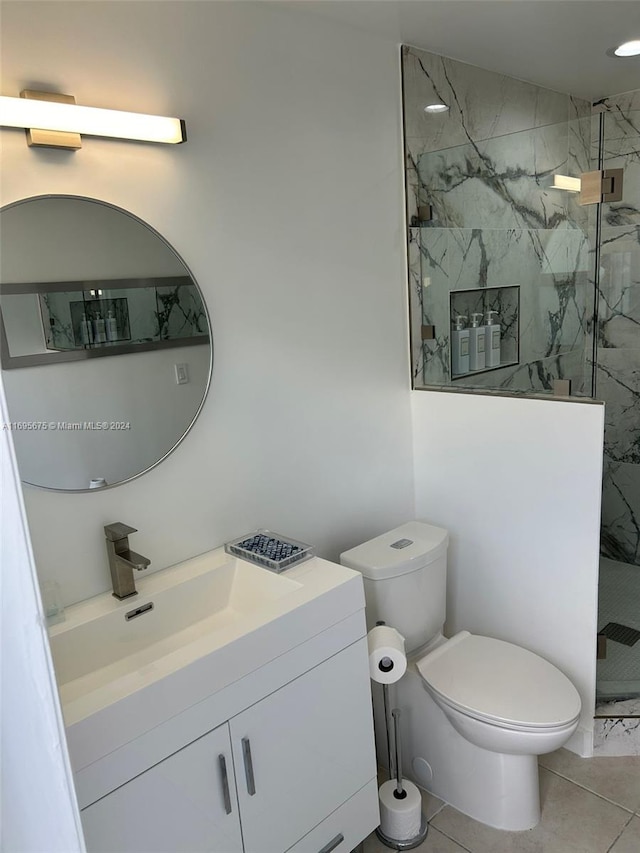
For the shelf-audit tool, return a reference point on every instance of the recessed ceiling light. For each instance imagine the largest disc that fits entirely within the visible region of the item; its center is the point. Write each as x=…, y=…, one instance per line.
x=436, y=108
x=629, y=48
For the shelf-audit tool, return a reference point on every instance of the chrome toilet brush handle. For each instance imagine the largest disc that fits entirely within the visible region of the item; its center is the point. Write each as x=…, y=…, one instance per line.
x=387, y=723
x=388, y=834
x=399, y=792
x=387, y=727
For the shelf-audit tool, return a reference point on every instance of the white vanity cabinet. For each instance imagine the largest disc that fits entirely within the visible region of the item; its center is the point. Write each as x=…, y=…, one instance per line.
x=300, y=765
x=302, y=752
x=185, y=803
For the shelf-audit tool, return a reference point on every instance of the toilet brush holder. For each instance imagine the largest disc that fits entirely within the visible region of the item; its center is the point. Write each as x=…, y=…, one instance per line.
x=403, y=824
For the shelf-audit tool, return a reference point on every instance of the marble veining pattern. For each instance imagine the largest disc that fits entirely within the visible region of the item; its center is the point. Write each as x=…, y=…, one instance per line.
x=498, y=183
x=480, y=101
x=618, y=340
x=486, y=167
x=616, y=736
x=549, y=266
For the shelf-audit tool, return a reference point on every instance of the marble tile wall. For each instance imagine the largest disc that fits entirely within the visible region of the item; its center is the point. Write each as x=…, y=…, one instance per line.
x=618, y=338
x=617, y=728
x=142, y=314
x=485, y=167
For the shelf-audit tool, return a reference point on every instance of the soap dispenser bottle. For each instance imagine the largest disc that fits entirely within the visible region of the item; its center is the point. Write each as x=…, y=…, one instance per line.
x=477, y=343
x=492, y=348
x=101, y=334
x=86, y=332
x=459, y=346
x=112, y=326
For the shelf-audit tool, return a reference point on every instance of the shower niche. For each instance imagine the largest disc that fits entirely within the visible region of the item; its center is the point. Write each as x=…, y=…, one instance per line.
x=504, y=304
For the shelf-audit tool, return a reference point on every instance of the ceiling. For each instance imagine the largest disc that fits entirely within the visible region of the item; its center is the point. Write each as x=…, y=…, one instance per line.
x=558, y=44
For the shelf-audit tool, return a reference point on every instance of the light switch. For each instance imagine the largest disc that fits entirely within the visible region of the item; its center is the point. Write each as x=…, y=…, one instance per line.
x=182, y=374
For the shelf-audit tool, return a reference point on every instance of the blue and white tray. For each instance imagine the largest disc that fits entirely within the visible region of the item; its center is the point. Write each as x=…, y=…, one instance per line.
x=270, y=550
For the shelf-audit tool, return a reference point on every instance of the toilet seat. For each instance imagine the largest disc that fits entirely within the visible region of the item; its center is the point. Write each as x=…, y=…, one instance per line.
x=499, y=683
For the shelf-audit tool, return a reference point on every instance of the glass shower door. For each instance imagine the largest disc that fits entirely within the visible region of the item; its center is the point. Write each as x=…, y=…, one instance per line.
x=617, y=382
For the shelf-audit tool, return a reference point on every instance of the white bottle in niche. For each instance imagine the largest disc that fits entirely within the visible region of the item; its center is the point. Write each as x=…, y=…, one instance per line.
x=476, y=343
x=112, y=326
x=86, y=332
x=101, y=334
x=492, y=348
x=459, y=346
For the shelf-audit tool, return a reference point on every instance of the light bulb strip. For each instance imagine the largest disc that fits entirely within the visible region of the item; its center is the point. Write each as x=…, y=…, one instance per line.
x=89, y=121
x=564, y=182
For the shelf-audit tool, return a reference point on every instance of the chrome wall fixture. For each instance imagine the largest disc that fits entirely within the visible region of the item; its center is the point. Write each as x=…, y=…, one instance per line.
x=54, y=120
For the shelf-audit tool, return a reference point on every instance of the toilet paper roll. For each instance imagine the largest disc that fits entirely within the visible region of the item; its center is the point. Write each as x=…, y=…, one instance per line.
x=387, y=660
x=400, y=819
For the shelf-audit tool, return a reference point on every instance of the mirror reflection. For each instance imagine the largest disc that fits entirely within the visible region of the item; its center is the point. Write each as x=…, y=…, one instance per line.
x=104, y=339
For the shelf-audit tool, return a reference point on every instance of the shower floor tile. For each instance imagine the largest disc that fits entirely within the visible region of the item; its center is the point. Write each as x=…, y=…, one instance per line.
x=618, y=675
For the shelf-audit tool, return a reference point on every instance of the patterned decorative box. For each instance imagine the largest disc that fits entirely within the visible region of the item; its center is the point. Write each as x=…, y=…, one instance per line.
x=269, y=549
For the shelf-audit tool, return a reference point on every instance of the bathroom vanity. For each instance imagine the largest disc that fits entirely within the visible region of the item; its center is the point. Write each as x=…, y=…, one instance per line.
x=232, y=715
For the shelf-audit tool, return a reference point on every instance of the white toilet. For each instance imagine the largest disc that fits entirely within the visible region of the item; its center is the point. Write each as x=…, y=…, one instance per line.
x=475, y=711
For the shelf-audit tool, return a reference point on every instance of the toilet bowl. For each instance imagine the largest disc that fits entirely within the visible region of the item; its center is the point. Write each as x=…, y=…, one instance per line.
x=497, y=707
x=476, y=711
x=501, y=696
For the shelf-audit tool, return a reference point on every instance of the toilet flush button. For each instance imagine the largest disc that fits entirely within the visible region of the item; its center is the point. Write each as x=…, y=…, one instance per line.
x=402, y=543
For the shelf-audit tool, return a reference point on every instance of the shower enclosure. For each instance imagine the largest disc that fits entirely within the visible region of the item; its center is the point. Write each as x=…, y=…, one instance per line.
x=616, y=378
x=496, y=224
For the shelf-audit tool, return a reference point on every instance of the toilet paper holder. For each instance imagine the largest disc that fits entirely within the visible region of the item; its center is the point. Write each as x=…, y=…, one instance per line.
x=400, y=792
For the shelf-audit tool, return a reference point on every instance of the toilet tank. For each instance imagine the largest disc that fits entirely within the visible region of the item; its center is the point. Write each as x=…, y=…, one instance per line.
x=405, y=579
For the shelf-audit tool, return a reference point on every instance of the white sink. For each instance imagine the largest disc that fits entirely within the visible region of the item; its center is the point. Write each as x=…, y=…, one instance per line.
x=105, y=638
x=215, y=619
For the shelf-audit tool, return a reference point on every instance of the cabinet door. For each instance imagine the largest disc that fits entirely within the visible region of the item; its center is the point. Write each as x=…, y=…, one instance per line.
x=179, y=806
x=303, y=751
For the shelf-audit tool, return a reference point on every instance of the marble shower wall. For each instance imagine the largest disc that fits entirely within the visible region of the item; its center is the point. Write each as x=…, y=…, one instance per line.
x=485, y=167
x=146, y=313
x=618, y=353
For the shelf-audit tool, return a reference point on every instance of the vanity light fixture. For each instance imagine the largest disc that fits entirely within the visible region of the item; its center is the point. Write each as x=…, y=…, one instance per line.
x=629, y=48
x=564, y=182
x=436, y=108
x=56, y=121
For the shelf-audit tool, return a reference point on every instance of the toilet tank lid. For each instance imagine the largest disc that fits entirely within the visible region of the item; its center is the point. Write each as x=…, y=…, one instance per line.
x=402, y=550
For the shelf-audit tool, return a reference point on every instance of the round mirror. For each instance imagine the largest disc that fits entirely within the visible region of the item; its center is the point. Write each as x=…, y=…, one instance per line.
x=105, y=342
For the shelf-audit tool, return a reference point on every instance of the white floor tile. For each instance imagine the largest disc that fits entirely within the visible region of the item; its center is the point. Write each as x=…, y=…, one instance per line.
x=629, y=841
x=616, y=779
x=573, y=821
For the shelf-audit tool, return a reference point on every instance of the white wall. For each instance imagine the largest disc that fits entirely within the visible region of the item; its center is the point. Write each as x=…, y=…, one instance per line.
x=517, y=482
x=38, y=809
x=138, y=389
x=286, y=203
x=67, y=240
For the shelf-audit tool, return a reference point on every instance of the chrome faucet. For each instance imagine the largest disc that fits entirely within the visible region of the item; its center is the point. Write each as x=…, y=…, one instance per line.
x=122, y=561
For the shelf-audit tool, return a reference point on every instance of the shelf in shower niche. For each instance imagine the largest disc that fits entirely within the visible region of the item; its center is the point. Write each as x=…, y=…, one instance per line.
x=504, y=300
x=269, y=549
x=455, y=376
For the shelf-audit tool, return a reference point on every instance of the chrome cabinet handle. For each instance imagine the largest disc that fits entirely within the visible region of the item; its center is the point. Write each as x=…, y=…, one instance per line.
x=332, y=844
x=248, y=766
x=225, y=784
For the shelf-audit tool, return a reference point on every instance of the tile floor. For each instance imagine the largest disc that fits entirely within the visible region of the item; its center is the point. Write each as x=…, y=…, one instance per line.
x=588, y=806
